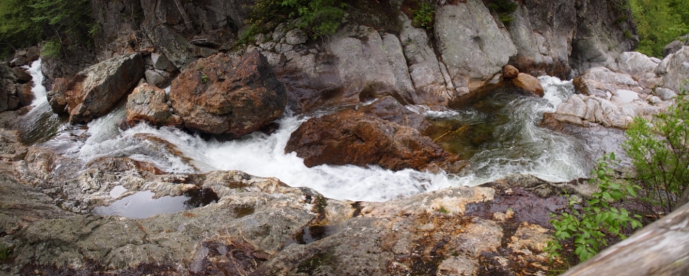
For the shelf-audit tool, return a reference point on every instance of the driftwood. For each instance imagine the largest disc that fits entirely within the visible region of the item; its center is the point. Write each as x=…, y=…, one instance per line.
x=661, y=248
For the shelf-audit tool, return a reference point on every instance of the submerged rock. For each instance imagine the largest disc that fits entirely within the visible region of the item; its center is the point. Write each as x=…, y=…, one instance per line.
x=228, y=95
x=355, y=137
x=94, y=91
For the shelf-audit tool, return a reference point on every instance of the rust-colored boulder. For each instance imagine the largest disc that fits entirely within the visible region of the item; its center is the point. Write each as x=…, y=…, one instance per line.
x=510, y=72
x=94, y=91
x=354, y=137
x=229, y=95
x=528, y=83
x=149, y=104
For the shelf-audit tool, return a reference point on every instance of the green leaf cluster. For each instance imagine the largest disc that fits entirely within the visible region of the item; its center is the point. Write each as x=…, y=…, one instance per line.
x=424, y=15
x=660, y=154
x=659, y=22
x=316, y=17
x=504, y=9
x=589, y=224
x=25, y=23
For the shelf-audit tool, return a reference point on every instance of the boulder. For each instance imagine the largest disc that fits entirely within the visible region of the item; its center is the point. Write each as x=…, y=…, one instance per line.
x=431, y=81
x=485, y=47
x=602, y=82
x=160, y=62
x=640, y=67
x=228, y=95
x=148, y=103
x=22, y=75
x=157, y=78
x=94, y=91
x=389, y=109
x=356, y=64
x=57, y=97
x=674, y=70
x=529, y=84
x=24, y=94
x=14, y=93
x=509, y=72
x=295, y=36
x=676, y=45
x=617, y=112
x=665, y=94
x=354, y=137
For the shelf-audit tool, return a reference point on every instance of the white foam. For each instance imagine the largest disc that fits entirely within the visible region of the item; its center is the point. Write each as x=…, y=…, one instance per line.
x=37, y=88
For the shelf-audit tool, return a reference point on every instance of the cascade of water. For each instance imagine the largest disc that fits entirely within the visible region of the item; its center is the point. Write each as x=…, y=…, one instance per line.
x=518, y=147
x=37, y=88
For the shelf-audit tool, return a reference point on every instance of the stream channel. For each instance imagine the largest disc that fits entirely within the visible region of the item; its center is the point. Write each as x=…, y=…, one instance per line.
x=498, y=136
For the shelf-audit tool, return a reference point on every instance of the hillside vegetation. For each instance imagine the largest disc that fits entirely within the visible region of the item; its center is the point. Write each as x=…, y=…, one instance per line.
x=659, y=22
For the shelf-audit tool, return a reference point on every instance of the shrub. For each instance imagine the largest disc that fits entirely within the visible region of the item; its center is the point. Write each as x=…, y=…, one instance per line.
x=590, y=224
x=316, y=17
x=423, y=16
x=660, y=154
x=504, y=9
x=659, y=22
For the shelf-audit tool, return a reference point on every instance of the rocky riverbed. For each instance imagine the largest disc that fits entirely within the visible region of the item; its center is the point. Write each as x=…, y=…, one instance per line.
x=383, y=149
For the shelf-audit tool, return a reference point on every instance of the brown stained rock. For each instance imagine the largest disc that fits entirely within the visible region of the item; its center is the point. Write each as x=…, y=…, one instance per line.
x=57, y=98
x=528, y=83
x=94, y=91
x=353, y=137
x=25, y=94
x=224, y=94
x=509, y=72
x=22, y=75
x=149, y=104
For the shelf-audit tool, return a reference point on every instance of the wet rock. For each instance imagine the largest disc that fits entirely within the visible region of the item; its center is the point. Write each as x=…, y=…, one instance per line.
x=351, y=137
x=228, y=95
x=57, y=98
x=11, y=92
x=510, y=72
x=24, y=94
x=391, y=110
x=529, y=84
x=149, y=104
x=97, y=89
x=22, y=75
x=674, y=69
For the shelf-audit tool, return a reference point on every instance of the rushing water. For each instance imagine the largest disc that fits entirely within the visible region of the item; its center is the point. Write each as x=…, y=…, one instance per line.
x=513, y=143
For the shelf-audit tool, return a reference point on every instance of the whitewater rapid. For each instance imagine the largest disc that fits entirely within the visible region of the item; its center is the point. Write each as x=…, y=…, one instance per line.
x=263, y=155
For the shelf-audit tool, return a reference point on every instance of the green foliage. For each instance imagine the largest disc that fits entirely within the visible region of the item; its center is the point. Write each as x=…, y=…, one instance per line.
x=52, y=48
x=423, y=16
x=660, y=153
x=504, y=9
x=659, y=22
x=588, y=225
x=24, y=23
x=5, y=252
x=316, y=17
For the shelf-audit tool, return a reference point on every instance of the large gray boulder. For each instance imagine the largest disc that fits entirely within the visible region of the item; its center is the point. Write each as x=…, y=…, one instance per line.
x=471, y=44
x=674, y=70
